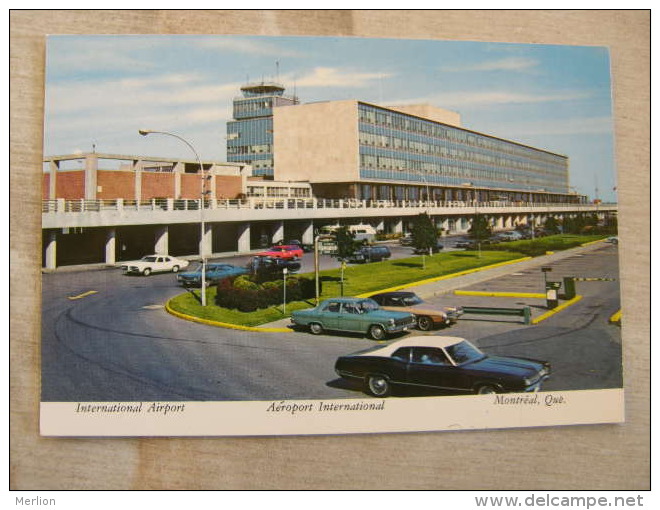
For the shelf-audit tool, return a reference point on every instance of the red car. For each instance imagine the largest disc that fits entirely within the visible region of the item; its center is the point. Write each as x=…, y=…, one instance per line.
x=283, y=252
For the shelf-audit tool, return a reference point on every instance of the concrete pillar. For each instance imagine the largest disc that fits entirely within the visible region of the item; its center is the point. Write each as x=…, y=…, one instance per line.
x=206, y=243
x=499, y=223
x=51, y=250
x=162, y=244
x=110, y=247
x=308, y=233
x=398, y=226
x=508, y=221
x=91, y=168
x=138, y=183
x=244, y=237
x=380, y=225
x=52, y=182
x=177, y=171
x=278, y=232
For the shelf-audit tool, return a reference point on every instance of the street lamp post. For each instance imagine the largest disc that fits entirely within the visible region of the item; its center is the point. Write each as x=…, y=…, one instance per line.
x=145, y=132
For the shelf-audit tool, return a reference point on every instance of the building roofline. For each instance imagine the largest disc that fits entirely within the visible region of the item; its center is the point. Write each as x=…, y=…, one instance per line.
x=133, y=157
x=463, y=129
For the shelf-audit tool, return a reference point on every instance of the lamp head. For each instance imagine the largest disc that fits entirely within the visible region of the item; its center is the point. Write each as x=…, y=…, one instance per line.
x=144, y=132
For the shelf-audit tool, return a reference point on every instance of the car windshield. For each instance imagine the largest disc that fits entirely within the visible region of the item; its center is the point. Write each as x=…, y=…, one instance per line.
x=149, y=259
x=368, y=305
x=464, y=352
x=412, y=300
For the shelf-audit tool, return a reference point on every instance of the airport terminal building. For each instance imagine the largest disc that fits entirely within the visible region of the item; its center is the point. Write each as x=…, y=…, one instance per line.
x=353, y=149
x=292, y=168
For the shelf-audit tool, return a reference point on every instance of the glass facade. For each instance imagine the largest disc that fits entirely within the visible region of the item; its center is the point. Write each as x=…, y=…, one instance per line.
x=399, y=147
x=250, y=134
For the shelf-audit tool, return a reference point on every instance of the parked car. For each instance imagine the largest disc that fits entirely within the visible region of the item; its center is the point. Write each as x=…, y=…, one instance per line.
x=439, y=362
x=285, y=251
x=271, y=267
x=613, y=240
x=513, y=235
x=428, y=316
x=406, y=240
x=154, y=264
x=304, y=247
x=370, y=254
x=425, y=251
x=214, y=273
x=357, y=315
x=462, y=244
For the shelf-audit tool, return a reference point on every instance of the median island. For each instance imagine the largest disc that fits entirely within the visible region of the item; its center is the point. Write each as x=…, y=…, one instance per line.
x=361, y=279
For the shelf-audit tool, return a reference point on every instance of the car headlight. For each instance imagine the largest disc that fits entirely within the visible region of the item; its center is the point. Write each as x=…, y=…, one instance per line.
x=391, y=322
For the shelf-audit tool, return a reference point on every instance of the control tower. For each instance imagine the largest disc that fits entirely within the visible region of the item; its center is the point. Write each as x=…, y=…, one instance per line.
x=250, y=133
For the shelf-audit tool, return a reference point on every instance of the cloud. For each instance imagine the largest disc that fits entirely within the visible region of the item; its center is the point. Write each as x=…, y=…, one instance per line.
x=506, y=64
x=166, y=91
x=334, y=77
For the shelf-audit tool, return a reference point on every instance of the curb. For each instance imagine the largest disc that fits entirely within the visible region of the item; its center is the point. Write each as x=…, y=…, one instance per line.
x=554, y=311
x=616, y=318
x=226, y=325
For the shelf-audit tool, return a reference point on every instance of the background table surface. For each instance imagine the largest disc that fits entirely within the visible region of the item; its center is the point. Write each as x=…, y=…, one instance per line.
x=569, y=457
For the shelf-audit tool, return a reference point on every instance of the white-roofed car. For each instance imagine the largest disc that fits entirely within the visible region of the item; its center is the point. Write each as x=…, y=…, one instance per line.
x=154, y=264
x=441, y=363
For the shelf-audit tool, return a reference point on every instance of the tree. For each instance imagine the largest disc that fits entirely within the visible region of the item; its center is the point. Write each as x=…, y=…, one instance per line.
x=551, y=225
x=346, y=243
x=424, y=234
x=480, y=229
x=346, y=246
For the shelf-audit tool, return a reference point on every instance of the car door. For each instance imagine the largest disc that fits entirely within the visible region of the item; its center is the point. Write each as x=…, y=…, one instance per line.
x=161, y=264
x=349, y=318
x=429, y=366
x=329, y=316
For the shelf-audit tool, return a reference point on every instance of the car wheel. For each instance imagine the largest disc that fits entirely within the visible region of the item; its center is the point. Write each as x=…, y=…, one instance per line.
x=146, y=271
x=377, y=332
x=175, y=269
x=486, y=389
x=315, y=328
x=424, y=323
x=378, y=385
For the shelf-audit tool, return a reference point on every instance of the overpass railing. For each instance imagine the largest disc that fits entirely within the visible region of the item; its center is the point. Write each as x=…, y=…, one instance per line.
x=158, y=204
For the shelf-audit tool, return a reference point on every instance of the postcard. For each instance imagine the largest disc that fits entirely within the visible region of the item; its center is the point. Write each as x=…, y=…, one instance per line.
x=262, y=236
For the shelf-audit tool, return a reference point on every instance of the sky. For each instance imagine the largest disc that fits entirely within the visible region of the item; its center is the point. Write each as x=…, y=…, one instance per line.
x=100, y=90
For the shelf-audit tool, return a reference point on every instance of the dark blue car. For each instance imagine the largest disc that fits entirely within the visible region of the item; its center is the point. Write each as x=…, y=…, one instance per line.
x=214, y=273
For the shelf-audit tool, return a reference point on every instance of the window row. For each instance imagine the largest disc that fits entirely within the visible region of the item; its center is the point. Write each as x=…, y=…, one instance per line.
x=416, y=147
x=429, y=128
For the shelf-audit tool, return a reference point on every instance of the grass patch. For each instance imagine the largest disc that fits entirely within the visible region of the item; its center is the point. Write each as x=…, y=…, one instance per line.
x=536, y=247
x=358, y=279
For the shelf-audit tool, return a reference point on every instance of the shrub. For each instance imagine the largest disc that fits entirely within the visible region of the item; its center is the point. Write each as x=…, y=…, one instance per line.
x=245, y=295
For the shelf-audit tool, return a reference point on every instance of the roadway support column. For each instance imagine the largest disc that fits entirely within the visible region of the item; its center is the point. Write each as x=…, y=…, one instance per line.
x=162, y=243
x=278, y=232
x=110, y=247
x=51, y=250
x=244, y=238
x=308, y=233
x=398, y=227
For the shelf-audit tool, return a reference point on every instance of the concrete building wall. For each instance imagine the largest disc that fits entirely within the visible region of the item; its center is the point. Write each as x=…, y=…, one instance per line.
x=316, y=142
x=45, y=187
